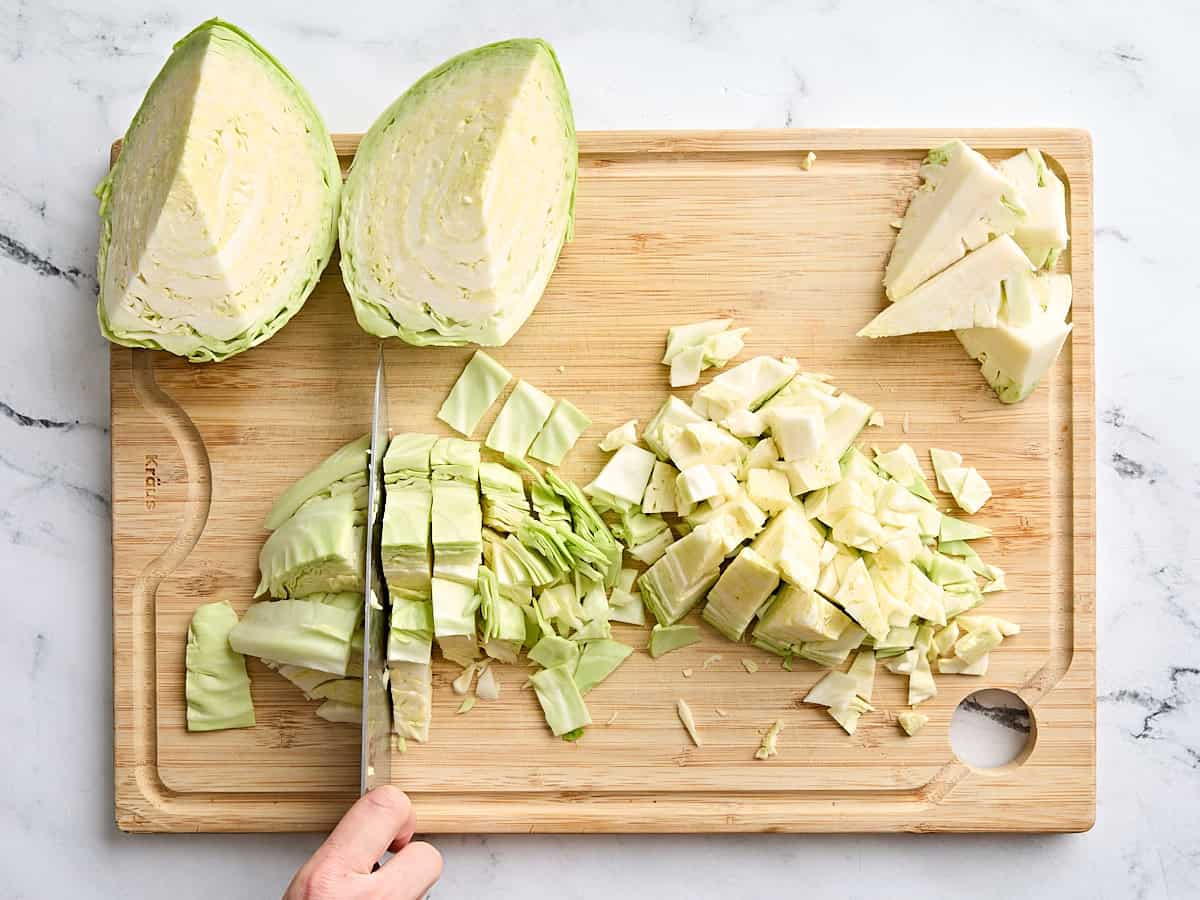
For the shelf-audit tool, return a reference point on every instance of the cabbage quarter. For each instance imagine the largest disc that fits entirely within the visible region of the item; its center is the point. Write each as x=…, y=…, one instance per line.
x=221, y=211
x=460, y=198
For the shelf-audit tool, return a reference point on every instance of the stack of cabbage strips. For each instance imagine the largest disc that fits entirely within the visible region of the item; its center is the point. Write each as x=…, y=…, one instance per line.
x=313, y=563
x=221, y=211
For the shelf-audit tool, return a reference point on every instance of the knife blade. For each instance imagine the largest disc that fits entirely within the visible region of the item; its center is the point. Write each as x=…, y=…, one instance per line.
x=377, y=710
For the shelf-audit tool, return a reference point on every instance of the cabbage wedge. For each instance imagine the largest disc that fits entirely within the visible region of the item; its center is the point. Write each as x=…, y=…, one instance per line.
x=221, y=211
x=460, y=198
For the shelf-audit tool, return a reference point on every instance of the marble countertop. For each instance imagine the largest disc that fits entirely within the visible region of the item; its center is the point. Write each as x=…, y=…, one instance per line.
x=70, y=78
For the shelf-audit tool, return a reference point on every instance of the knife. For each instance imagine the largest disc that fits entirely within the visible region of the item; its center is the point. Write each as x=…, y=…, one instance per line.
x=376, y=760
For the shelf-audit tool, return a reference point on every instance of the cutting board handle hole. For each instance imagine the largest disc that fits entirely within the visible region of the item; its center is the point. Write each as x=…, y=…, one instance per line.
x=993, y=730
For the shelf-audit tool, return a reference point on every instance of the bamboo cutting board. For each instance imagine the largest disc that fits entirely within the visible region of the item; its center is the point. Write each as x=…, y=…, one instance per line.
x=672, y=227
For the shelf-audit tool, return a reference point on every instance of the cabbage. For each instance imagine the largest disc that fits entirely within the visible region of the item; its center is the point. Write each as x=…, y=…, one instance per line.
x=318, y=549
x=216, y=687
x=460, y=198
x=316, y=632
x=221, y=211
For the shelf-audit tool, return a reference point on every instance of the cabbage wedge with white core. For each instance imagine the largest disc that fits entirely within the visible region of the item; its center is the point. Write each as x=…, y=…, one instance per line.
x=962, y=203
x=966, y=295
x=221, y=211
x=460, y=198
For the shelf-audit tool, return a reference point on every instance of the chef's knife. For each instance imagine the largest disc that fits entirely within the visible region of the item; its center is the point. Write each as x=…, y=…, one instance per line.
x=377, y=711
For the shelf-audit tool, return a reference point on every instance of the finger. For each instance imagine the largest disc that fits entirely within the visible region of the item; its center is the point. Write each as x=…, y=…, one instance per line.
x=410, y=873
x=369, y=827
x=401, y=840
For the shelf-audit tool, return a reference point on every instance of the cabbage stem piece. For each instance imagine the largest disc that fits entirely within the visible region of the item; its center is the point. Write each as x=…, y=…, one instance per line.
x=560, y=699
x=911, y=721
x=481, y=382
x=702, y=345
x=216, y=687
x=221, y=211
x=966, y=295
x=688, y=721
x=741, y=591
x=460, y=198
x=619, y=437
x=1043, y=231
x=316, y=632
x=1013, y=357
x=559, y=433
x=770, y=741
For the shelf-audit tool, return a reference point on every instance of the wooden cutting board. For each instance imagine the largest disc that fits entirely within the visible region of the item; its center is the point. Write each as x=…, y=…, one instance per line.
x=672, y=227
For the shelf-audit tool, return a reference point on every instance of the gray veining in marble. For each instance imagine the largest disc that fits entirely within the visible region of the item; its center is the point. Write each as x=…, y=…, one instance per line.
x=71, y=75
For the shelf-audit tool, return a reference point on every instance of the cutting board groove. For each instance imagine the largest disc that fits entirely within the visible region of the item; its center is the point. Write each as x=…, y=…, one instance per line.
x=671, y=227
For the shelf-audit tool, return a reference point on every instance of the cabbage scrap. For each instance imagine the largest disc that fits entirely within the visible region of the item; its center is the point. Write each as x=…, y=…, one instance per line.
x=664, y=639
x=559, y=433
x=521, y=417
x=482, y=381
x=691, y=349
x=560, y=699
x=598, y=660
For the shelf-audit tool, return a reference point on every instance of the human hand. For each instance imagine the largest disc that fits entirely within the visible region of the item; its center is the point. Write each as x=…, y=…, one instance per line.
x=341, y=868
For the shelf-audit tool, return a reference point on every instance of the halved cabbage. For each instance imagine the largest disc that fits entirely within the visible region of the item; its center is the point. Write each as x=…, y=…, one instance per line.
x=221, y=211
x=460, y=198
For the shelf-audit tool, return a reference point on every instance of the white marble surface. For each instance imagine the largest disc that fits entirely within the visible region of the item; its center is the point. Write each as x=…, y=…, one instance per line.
x=70, y=78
